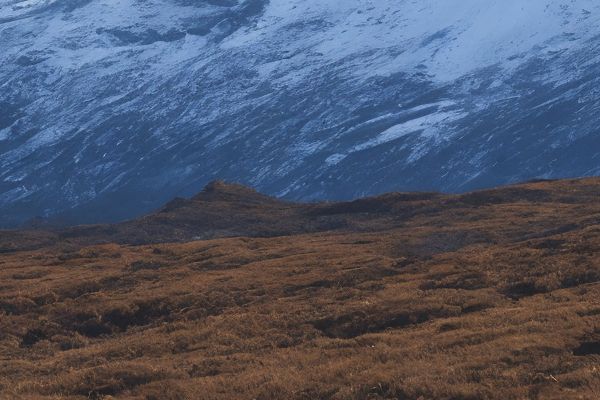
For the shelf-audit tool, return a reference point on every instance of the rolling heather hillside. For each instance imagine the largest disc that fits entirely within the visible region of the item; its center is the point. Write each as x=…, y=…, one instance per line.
x=232, y=294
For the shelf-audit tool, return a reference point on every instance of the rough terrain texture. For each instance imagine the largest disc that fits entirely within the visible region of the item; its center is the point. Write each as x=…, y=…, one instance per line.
x=110, y=109
x=488, y=295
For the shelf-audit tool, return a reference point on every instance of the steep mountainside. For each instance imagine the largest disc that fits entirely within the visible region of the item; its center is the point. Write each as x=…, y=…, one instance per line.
x=101, y=101
x=491, y=295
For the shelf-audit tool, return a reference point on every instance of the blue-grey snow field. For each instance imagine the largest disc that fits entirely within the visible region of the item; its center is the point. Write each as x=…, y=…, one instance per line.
x=109, y=108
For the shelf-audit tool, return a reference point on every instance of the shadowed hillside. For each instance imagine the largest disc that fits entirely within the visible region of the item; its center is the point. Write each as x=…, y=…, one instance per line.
x=108, y=109
x=235, y=295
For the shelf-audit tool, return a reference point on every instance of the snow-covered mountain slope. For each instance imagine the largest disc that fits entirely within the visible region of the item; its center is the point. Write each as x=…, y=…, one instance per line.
x=108, y=108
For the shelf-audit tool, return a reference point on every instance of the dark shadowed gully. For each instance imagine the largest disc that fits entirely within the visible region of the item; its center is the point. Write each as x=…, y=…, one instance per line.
x=236, y=295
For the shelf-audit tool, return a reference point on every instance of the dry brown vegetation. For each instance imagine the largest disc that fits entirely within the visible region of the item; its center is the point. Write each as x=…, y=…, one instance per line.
x=487, y=295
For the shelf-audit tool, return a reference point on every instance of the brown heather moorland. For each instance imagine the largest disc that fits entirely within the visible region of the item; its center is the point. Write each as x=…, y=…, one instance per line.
x=234, y=295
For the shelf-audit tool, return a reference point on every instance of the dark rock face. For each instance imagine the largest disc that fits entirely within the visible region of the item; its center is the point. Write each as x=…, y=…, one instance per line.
x=108, y=111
